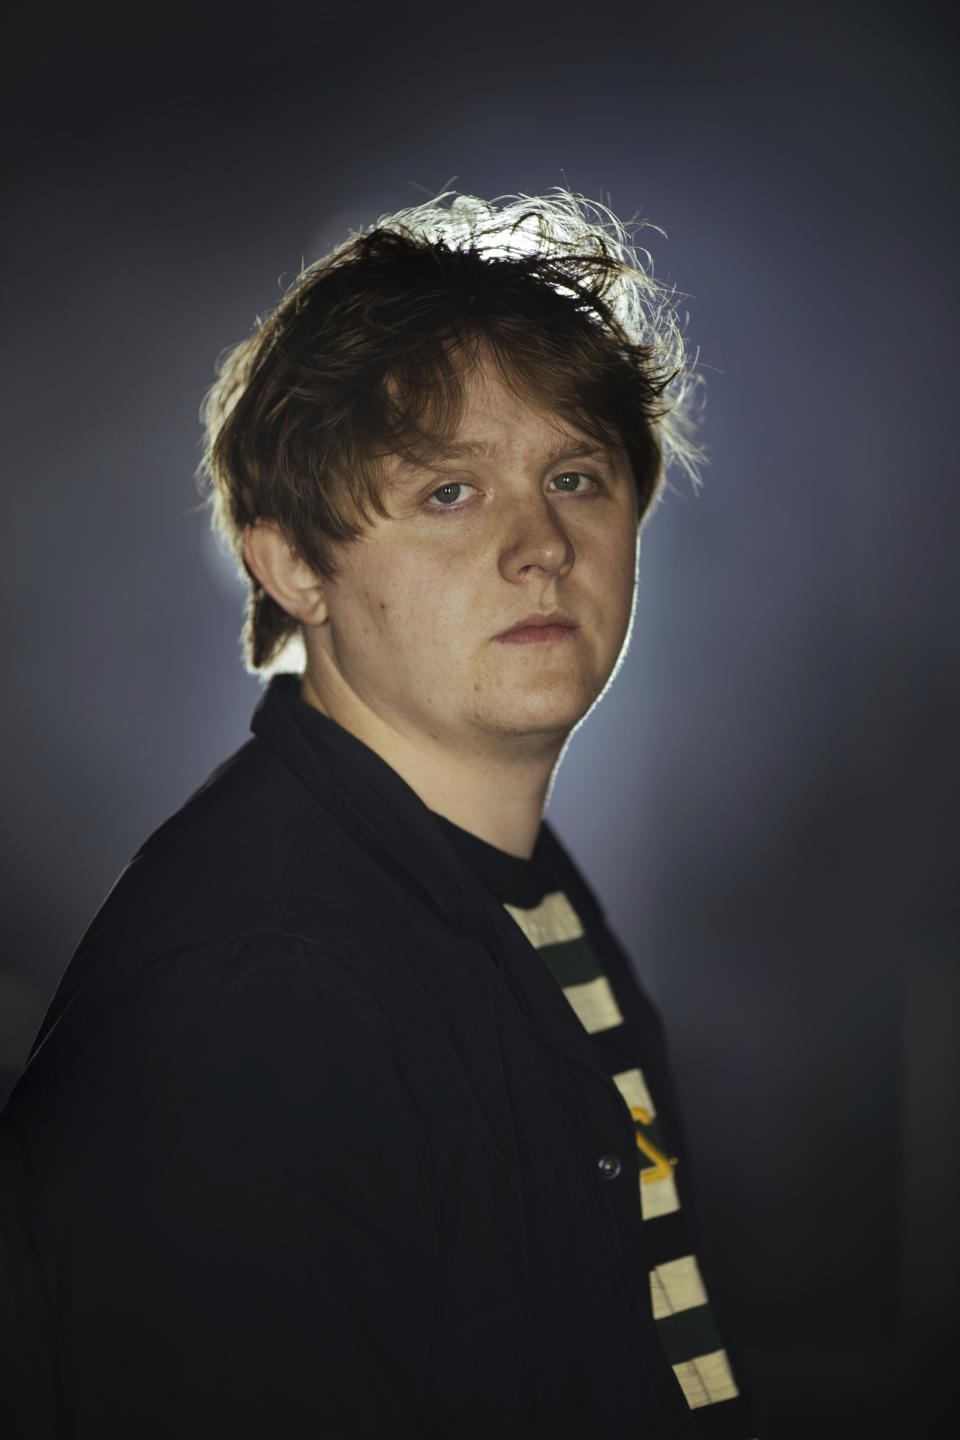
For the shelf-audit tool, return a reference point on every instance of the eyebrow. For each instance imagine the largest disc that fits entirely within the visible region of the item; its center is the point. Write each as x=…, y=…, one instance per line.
x=567, y=446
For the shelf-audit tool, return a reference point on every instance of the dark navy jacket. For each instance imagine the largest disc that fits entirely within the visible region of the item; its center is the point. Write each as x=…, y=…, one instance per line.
x=309, y=1141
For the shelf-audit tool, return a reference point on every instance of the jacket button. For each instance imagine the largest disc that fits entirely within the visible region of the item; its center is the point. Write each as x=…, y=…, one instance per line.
x=609, y=1166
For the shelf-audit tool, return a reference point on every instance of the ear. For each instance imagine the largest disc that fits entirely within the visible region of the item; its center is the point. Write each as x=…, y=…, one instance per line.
x=283, y=573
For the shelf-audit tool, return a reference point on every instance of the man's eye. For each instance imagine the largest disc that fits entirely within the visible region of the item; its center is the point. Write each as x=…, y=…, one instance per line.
x=572, y=482
x=451, y=494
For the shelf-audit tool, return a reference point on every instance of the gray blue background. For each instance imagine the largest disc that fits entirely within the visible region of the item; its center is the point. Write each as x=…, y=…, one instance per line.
x=766, y=800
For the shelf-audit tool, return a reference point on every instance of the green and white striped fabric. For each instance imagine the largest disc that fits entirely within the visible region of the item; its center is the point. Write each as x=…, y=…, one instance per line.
x=681, y=1307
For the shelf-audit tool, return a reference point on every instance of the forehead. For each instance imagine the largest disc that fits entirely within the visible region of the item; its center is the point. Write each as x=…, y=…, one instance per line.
x=495, y=422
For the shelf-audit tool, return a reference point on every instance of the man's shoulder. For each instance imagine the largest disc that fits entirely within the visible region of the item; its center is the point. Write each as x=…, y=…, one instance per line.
x=231, y=859
x=253, y=861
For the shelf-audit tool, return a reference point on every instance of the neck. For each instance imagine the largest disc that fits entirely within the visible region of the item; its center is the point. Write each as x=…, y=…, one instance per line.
x=497, y=795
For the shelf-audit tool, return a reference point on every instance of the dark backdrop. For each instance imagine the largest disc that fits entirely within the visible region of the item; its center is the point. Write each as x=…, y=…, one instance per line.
x=765, y=800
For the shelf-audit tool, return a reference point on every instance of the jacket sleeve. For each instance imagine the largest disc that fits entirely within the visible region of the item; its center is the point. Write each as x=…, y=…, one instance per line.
x=231, y=1205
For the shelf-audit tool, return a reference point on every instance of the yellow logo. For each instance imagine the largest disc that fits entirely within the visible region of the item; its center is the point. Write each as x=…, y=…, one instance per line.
x=662, y=1165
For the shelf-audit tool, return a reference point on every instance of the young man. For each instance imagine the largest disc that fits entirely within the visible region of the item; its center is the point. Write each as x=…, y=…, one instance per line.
x=349, y=1118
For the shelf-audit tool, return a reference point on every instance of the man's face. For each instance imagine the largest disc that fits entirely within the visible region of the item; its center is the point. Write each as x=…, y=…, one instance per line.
x=524, y=519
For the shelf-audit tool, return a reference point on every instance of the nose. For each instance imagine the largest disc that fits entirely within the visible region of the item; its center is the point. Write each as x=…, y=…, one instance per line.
x=534, y=542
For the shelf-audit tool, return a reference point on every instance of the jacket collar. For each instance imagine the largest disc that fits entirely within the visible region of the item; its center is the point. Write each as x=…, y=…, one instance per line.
x=365, y=795
x=388, y=818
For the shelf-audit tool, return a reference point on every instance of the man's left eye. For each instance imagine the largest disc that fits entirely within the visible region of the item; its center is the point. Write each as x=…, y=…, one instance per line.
x=572, y=482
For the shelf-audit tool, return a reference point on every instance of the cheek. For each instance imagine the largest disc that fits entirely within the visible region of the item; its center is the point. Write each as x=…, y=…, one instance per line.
x=412, y=608
x=619, y=577
x=422, y=586
x=620, y=562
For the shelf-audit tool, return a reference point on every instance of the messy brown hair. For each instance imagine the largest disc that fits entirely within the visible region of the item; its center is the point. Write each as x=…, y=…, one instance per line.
x=365, y=358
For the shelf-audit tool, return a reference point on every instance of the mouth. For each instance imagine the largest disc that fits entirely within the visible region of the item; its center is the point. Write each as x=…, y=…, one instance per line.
x=538, y=630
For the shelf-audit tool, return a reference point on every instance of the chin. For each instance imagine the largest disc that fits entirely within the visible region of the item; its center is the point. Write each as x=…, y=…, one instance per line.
x=546, y=716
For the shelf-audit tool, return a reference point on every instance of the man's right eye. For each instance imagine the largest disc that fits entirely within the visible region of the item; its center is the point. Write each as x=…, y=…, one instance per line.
x=451, y=494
